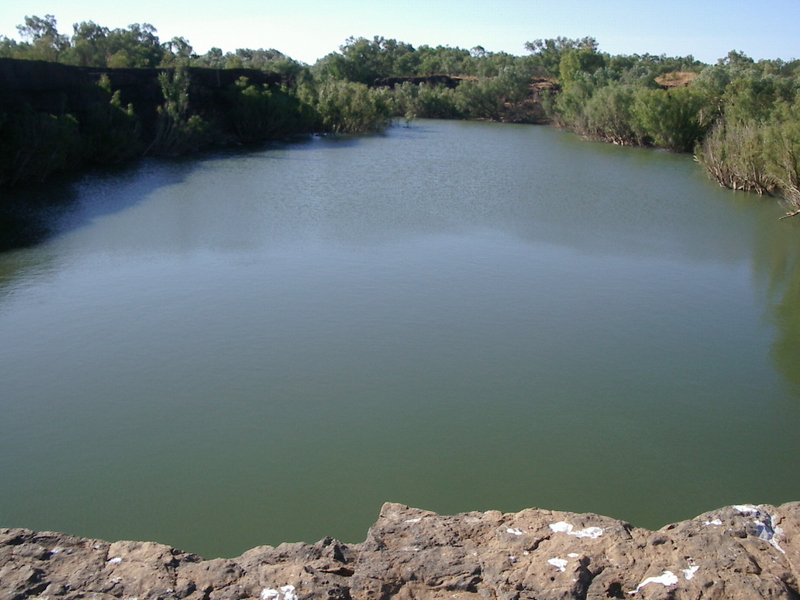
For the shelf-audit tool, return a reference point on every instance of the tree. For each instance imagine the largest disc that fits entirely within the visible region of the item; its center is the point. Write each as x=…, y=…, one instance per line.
x=178, y=52
x=672, y=118
x=42, y=35
x=581, y=60
x=548, y=52
x=363, y=61
x=89, y=45
x=442, y=60
x=609, y=115
x=136, y=46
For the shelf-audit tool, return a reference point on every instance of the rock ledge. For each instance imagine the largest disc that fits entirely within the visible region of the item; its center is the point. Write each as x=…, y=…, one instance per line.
x=740, y=552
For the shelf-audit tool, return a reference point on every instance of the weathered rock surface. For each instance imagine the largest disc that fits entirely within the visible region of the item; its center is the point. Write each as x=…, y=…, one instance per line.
x=734, y=552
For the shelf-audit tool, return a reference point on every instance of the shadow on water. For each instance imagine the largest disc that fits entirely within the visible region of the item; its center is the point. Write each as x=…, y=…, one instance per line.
x=31, y=215
x=36, y=212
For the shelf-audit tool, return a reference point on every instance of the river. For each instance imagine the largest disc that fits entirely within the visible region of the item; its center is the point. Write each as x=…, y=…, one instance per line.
x=262, y=346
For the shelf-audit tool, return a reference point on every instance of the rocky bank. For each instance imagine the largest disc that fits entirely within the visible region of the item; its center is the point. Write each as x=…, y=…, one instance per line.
x=735, y=552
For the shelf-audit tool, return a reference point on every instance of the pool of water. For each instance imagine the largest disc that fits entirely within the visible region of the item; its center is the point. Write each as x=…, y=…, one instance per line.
x=264, y=346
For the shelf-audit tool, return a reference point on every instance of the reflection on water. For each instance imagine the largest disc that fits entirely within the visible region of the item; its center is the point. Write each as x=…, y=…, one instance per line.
x=776, y=262
x=259, y=347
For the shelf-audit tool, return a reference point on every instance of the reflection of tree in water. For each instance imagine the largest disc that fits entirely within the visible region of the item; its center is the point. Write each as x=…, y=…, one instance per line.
x=15, y=266
x=777, y=262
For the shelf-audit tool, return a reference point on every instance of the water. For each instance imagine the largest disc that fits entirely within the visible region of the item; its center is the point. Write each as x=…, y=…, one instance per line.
x=257, y=347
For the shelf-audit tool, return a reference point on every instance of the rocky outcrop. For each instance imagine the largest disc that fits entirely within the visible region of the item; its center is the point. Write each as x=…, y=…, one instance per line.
x=734, y=552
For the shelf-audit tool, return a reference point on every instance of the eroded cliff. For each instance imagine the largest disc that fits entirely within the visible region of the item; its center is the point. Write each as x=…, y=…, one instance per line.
x=735, y=552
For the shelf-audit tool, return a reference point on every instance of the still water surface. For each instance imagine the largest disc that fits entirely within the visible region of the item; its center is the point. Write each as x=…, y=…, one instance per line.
x=261, y=347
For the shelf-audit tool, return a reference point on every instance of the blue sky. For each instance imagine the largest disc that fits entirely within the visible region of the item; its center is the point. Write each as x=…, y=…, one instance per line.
x=309, y=29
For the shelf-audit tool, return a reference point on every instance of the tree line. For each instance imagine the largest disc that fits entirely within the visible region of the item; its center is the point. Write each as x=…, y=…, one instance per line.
x=738, y=116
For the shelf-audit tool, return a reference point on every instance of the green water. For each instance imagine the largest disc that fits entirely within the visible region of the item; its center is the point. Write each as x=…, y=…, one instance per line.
x=257, y=347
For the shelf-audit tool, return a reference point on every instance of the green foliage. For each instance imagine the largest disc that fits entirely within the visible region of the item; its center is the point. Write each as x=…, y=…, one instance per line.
x=491, y=97
x=136, y=46
x=444, y=60
x=672, y=119
x=89, y=45
x=609, y=115
x=568, y=108
x=348, y=107
x=755, y=143
x=548, y=53
x=758, y=156
x=43, y=40
x=267, y=112
x=178, y=52
x=270, y=61
x=33, y=145
x=783, y=150
x=177, y=132
x=580, y=60
x=741, y=115
x=425, y=101
x=110, y=132
x=363, y=61
x=734, y=155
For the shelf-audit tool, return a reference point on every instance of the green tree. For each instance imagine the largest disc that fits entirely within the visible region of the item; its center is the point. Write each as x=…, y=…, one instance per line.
x=673, y=118
x=267, y=112
x=89, y=45
x=548, y=53
x=136, y=46
x=609, y=115
x=578, y=60
x=44, y=41
x=178, y=51
x=349, y=107
x=363, y=61
x=177, y=132
x=442, y=60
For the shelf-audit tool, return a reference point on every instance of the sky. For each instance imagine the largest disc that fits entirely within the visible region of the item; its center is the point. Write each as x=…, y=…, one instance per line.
x=309, y=29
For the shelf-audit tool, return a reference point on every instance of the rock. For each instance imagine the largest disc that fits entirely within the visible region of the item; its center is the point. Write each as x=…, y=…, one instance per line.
x=743, y=552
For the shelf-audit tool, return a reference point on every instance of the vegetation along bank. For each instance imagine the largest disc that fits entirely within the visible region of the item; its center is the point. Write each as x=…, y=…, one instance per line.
x=107, y=95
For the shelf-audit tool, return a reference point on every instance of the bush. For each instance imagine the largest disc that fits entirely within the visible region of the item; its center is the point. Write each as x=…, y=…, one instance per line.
x=176, y=131
x=609, y=115
x=672, y=118
x=267, y=112
x=347, y=107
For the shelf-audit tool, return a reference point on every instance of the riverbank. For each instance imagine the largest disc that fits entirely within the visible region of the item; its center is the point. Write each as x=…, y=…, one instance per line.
x=56, y=117
x=742, y=552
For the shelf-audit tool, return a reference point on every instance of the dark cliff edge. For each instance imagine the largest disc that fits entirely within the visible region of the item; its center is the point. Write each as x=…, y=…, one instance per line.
x=56, y=117
x=739, y=552
x=59, y=89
